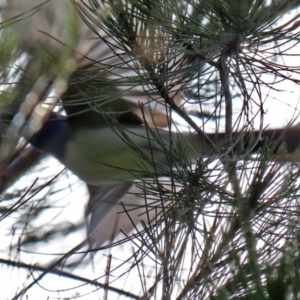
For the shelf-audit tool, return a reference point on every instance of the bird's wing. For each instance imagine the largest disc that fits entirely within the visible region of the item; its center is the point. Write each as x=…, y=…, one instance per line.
x=124, y=216
x=102, y=199
x=90, y=99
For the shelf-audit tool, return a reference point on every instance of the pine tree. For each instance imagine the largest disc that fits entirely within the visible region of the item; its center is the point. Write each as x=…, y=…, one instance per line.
x=222, y=227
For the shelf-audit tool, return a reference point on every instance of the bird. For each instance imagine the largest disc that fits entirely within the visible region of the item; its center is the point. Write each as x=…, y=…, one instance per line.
x=109, y=144
x=111, y=153
x=109, y=150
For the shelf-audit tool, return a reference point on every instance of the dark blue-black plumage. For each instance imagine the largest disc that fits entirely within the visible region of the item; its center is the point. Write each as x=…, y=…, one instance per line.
x=53, y=136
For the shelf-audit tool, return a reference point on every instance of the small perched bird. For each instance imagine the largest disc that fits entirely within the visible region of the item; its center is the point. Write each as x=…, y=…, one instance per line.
x=110, y=153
